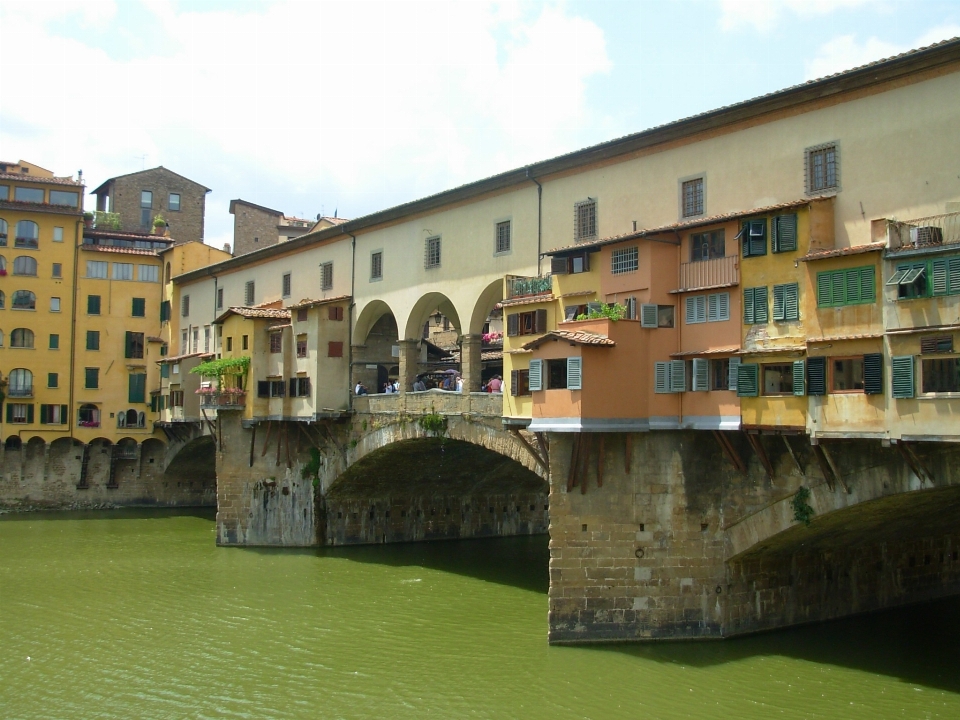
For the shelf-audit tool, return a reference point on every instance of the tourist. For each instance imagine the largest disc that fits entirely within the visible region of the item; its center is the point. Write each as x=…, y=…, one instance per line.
x=419, y=385
x=361, y=389
x=495, y=384
x=459, y=384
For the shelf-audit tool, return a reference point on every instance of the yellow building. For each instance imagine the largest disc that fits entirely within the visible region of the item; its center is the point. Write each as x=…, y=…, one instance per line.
x=40, y=228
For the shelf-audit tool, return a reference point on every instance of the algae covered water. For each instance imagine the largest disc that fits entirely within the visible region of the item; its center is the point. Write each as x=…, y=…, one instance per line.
x=139, y=615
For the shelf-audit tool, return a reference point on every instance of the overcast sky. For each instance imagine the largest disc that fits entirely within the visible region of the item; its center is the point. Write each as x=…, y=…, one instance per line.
x=312, y=107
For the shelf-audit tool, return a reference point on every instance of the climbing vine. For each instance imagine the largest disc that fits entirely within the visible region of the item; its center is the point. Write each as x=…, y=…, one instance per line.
x=802, y=512
x=223, y=366
x=311, y=471
x=613, y=311
x=434, y=422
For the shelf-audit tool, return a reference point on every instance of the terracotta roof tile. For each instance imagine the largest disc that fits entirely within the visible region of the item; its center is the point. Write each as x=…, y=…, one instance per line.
x=185, y=356
x=842, y=252
x=835, y=338
x=578, y=337
x=526, y=301
x=154, y=338
x=253, y=312
x=307, y=302
x=123, y=251
x=704, y=353
x=21, y=177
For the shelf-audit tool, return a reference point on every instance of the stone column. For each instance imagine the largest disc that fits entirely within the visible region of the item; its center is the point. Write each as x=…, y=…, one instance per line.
x=470, y=365
x=409, y=364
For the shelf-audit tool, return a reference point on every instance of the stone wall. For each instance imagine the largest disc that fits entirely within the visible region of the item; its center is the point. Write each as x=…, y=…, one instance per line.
x=185, y=224
x=255, y=228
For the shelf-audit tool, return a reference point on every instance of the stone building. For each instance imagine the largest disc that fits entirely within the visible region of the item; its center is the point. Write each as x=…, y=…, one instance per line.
x=140, y=197
x=255, y=226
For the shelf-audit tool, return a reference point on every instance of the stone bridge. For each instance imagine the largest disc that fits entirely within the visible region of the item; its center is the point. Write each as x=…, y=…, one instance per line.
x=652, y=535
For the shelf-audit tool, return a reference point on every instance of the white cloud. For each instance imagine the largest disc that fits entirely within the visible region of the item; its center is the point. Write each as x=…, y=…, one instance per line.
x=846, y=52
x=360, y=104
x=763, y=15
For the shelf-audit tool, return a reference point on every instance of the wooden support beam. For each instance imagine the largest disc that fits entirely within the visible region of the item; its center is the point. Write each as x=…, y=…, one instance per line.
x=266, y=440
x=584, y=462
x=757, y=444
x=730, y=451
x=793, y=454
x=279, y=440
x=833, y=467
x=574, y=460
x=912, y=450
x=253, y=440
x=544, y=447
x=627, y=452
x=600, y=463
x=824, y=467
x=213, y=431
x=286, y=437
x=529, y=448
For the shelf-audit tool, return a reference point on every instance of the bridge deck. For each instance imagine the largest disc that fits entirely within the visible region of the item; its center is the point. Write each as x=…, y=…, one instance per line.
x=440, y=401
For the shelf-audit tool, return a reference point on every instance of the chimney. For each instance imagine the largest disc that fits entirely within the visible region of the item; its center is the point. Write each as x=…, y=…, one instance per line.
x=226, y=247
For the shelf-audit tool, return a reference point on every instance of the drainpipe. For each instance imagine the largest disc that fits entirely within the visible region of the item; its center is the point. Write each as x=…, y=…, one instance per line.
x=213, y=324
x=78, y=239
x=539, y=217
x=353, y=279
x=680, y=315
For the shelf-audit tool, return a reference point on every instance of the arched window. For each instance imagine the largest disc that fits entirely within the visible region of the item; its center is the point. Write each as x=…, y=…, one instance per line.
x=3, y=300
x=24, y=300
x=3, y=232
x=131, y=418
x=20, y=383
x=88, y=416
x=24, y=265
x=27, y=234
x=1, y=338
x=3, y=265
x=21, y=338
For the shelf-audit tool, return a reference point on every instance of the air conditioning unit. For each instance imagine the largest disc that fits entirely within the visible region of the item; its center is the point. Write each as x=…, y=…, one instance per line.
x=927, y=235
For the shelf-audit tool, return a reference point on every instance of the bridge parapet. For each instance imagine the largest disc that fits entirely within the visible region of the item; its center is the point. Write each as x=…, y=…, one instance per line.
x=439, y=401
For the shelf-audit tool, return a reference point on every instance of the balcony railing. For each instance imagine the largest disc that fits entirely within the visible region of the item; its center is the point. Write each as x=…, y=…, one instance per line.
x=223, y=399
x=20, y=391
x=925, y=232
x=25, y=242
x=528, y=286
x=709, y=273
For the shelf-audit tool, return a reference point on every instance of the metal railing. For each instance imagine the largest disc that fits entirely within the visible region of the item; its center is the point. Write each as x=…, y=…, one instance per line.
x=223, y=399
x=925, y=232
x=20, y=391
x=103, y=220
x=528, y=286
x=709, y=273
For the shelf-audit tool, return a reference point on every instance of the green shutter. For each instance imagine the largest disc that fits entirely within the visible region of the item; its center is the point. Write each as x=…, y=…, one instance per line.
x=661, y=377
x=138, y=388
x=873, y=374
x=783, y=233
x=30, y=414
x=778, y=302
x=128, y=345
x=139, y=307
x=748, y=384
x=9, y=413
x=93, y=304
x=760, y=308
x=852, y=285
x=164, y=370
x=939, y=277
x=748, y=314
x=953, y=275
x=791, y=302
x=824, y=289
x=574, y=373
x=678, y=376
x=903, y=382
x=839, y=294
x=868, y=284
x=164, y=311
x=799, y=375
x=43, y=414
x=817, y=376
x=63, y=414
x=745, y=238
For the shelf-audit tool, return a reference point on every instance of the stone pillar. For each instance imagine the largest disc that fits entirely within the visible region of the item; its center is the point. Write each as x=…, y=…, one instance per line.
x=409, y=363
x=470, y=365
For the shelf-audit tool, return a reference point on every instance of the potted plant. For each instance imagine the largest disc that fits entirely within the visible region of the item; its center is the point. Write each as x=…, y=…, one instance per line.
x=159, y=225
x=88, y=219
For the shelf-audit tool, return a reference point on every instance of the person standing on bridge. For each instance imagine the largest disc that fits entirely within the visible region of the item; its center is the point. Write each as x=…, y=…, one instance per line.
x=494, y=385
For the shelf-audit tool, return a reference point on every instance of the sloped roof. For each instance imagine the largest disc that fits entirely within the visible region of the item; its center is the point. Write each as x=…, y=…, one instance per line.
x=253, y=313
x=103, y=186
x=234, y=203
x=840, y=252
x=577, y=337
x=307, y=302
x=25, y=177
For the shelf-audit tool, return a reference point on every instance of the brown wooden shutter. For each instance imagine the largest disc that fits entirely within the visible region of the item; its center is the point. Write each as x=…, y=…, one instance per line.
x=558, y=266
x=513, y=325
x=540, y=323
x=335, y=349
x=514, y=382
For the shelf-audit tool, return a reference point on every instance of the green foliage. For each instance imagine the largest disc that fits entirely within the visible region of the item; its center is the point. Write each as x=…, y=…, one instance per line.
x=802, y=512
x=434, y=422
x=312, y=469
x=158, y=220
x=223, y=366
x=613, y=312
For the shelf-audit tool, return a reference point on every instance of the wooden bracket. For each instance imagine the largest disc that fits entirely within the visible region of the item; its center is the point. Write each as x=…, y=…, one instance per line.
x=266, y=440
x=600, y=463
x=729, y=451
x=761, y=452
x=536, y=456
x=574, y=461
x=544, y=447
x=627, y=451
x=914, y=462
x=584, y=462
x=824, y=466
x=793, y=454
x=213, y=430
x=833, y=467
x=253, y=440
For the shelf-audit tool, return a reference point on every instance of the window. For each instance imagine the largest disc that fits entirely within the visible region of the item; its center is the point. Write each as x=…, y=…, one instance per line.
x=173, y=202
x=19, y=413
x=93, y=339
x=778, y=379
x=54, y=341
x=301, y=346
x=93, y=304
x=854, y=286
x=96, y=269
x=431, y=253
x=244, y=342
x=335, y=349
x=21, y=338
x=519, y=382
x=2, y=299
x=139, y=307
x=54, y=304
x=945, y=273
x=755, y=306
x=376, y=265
x=123, y=271
x=20, y=383
x=846, y=375
x=502, y=243
x=707, y=246
x=301, y=314
x=527, y=323
x=3, y=264
x=940, y=375
x=720, y=374
x=585, y=220
x=911, y=280
x=196, y=339
x=53, y=414
x=58, y=234
x=57, y=270
x=783, y=233
x=557, y=374
x=624, y=260
x=133, y=346
x=219, y=298
x=3, y=232
x=185, y=306
x=707, y=308
x=786, y=302
x=822, y=163
x=28, y=194
x=206, y=338
x=670, y=377
x=184, y=347
x=276, y=342
x=691, y=193
x=148, y=273
x=63, y=197
x=137, y=388
x=24, y=300
x=28, y=233
x=53, y=380
x=579, y=263
x=285, y=285
x=300, y=387
x=753, y=238
x=176, y=398
x=335, y=312
x=276, y=387
x=24, y=265
x=696, y=309
x=4, y=192
x=146, y=204
x=229, y=344
x=665, y=316
x=249, y=292
x=91, y=378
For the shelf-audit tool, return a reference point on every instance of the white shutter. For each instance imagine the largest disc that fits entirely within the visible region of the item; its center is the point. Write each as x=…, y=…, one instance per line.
x=678, y=376
x=732, y=379
x=536, y=375
x=648, y=315
x=574, y=373
x=701, y=308
x=696, y=309
x=701, y=375
x=713, y=309
x=691, y=310
x=661, y=377
x=723, y=306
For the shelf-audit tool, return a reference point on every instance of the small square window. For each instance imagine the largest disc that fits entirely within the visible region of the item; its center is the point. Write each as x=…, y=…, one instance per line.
x=376, y=265
x=285, y=286
x=624, y=260
x=229, y=344
x=219, y=298
x=846, y=375
x=58, y=234
x=146, y=199
x=93, y=304
x=244, y=342
x=54, y=341
x=720, y=374
x=557, y=374
x=185, y=306
x=431, y=251
x=54, y=304
x=326, y=276
x=503, y=237
x=93, y=339
x=173, y=203
x=585, y=227
x=139, y=308
x=335, y=350
x=823, y=168
x=249, y=292
x=276, y=342
x=57, y=270
x=691, y=193
x=53, y=380
x=778, y=379
x=301, y=314
x=301, y=346
x=91, y=378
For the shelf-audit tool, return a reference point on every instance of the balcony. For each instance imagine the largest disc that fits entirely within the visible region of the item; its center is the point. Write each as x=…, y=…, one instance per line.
x=704, y=274
x=103, y=220
x=20, y=391
x=518, y=287
x=926, y=232
x=26, y=242
x=223, y=399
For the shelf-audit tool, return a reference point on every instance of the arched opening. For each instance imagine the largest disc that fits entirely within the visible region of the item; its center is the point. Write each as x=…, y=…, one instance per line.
x=12, y=443
x=435, y=308
x=196, y=460
x=376, y=349
x=20, y=381
x=28, y=233
x=21, y=338
x=23, y=300
x=434, y=488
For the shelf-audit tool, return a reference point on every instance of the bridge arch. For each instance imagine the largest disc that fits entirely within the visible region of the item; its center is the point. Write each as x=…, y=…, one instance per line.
x=370, y=315
x=422, y=309
x=486, y=302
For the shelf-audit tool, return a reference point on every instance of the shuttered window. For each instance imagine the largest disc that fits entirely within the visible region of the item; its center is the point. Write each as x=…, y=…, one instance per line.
x=326, y=275
x=786, y=302
x=817, y=376
x=783, y=233
x=873, y=374
x=133, y=345
x=718, y=307
x=854, y=286
x=733, y=373
x=701, y=374
x=139, y=307
x=799, y=375
x=945, y=273
x=249, y=292
x=936, y=344
x=648, y=315
x=670, y=377
x=696, y=309
x=536, y=375
x=574, y=373
x=137, y=388
x=661, y=377
x=903, y=380
x=748, y=384
x=755, y=306
x=753, y=238
x=165, y=310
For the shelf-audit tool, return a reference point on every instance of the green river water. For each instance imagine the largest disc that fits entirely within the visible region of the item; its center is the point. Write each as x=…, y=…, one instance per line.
x=140, y=615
